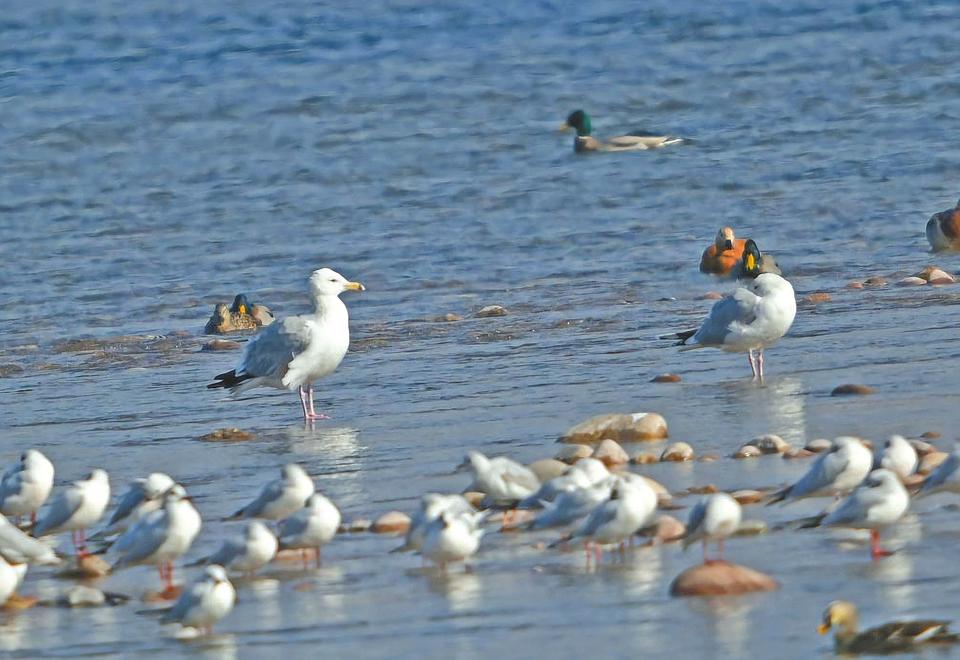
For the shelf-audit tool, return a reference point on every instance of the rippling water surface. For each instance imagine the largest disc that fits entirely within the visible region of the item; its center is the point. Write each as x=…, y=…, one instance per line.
x=161, y=156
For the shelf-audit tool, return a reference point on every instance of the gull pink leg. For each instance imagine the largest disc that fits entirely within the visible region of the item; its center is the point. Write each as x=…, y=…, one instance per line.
x=760, y=363
x=313, y=413
x=303, y=403
x=753, y=364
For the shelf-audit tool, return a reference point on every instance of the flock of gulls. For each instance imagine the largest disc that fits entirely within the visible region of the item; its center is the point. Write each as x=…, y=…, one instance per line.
x=591, y=505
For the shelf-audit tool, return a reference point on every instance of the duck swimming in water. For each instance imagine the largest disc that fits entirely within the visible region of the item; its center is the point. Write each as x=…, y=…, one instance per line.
x=636, y=141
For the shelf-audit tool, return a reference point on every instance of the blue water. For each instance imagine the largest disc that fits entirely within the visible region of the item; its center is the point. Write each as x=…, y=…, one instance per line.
x=161, y=157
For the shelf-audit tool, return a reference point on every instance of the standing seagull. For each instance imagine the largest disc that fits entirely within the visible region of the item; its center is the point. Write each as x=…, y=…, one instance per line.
x=946, y=476
x=880, y=501
x=208, y=600
x=450, y=538
x=142, y=497
x=246, y=553
x=754, y=317
x=835, y=472
x=18, y=548
x=161, y=536
x=298, y=350
x=26, y=485
x=714, y=518
x=311, y=527
x=75, y=508
x=281, y=497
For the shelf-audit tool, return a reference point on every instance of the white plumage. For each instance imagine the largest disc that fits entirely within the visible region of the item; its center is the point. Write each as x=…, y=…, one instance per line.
x=26, y=485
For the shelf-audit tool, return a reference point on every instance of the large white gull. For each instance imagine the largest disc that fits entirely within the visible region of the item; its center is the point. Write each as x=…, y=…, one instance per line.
x=296, y=351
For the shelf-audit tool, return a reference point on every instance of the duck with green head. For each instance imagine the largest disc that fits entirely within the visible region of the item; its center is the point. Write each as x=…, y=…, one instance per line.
x=635, y=141
x=753, y=263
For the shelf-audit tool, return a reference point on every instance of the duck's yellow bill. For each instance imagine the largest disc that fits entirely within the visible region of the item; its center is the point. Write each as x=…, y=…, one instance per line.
x=354, y=286
x=564, y=127
x=242, y=309
x=751, y=262
x=823, y=629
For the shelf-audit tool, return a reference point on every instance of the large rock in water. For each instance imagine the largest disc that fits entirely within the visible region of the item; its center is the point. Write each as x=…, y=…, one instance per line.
x=631, y=427
x=721, y=578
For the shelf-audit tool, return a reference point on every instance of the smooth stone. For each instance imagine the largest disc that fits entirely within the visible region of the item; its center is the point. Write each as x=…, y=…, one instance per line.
x=935, y=275
x=818, y=445
x=392, y=522
x=914, y=480
x=18, y=602
x=852, y=389
x=751, y=528
x=93, y=566
x=220, y=345
x=678, y=452
x=876, y=280
x=930, y=462
x=631, y=427
x=708, y=458
x=491, y=310
x=548, y=468
x=228, y=435
x=474, y=498
x=570, y=454
x=449, y=317
x=709, y=489
x=747, y=496
x=358, y=525
x=930, y=435
x=668, y=529
x=923, y=448
x=81, y=595
x=721, y=578
x=644, y=458
x=797, y=453
x=611, y=454
x=770, y=444
x=855, y=285
x=711, y=295
x=666, y=378
x=911, y=281
x=747, y=451
x=817, y=297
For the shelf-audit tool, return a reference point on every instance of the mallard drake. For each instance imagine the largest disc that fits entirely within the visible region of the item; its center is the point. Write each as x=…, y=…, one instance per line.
x=943, y=229
x=898, y=636
x=723, y=255
x=241, y=315
x=753, y=263
x=636, y=141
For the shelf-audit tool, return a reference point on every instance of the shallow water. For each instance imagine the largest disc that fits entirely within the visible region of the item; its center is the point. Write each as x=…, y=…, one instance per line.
x=160, y=157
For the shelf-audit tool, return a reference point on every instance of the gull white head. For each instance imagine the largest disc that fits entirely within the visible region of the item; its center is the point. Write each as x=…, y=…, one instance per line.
x=767, y=283
x=216, y=573
x=328, y=282
x=176, y=494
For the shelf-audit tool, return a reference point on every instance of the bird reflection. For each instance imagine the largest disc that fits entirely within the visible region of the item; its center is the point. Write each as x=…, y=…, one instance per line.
x=461, y=589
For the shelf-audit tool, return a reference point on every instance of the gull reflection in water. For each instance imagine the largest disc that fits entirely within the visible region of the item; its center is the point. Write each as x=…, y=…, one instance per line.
x=730, y=621
x=777, y=405
x=461, y=589
x=218, y=646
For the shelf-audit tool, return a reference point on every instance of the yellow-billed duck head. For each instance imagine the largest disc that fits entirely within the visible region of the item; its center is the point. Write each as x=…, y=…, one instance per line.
x=579, y=121
x=750, y=266
x=841, y=615
x=240, y=305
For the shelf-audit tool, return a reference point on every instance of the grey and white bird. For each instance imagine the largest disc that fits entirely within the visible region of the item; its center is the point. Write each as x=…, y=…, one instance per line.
x=631, y=507
x=584, y=473
x=312, y=526
x=503, y=480
x=205, y=602
x=247, y=552
x=573, y=504
x=160, y=537
x=19, y=548
x=945, y=477
x=714, y=518
x=295, y=351
x=143, y=496
x=754, y=317
x=431, y=506
x=26, y=485
x=880, y=501
x=75, y=508
x=451, y=538
x=897, y=455
x=834, y=472
x=281, y=497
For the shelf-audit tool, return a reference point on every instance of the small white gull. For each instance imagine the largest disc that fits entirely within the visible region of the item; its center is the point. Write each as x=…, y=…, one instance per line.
x=75, y=508
x=898, y=455
x=714, y=518
x=143, y=496
x=281, y=497
x=834, y=472
x=26, y=485
x=631, y=507
x=205, y=602
x=295, y=351
x=502, y=479
x=451, y=538
x=431, y=506
x=247, y=552
x=18, y=548
x=878, y=502
x=311, y=527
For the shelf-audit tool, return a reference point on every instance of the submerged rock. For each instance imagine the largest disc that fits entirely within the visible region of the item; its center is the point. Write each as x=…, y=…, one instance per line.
x=631, y=427
x=747, y=496
x=228, y=435
x=220, y=345
x=392, y=522
x=818, y=445
x=817, y=297
x=570, y=454
x=644, y=458
x=747, y=451
x=491, y=310
x=721, y=578
x=668, y=529
x=666, y=378
x=911, y=281
x=678, y=452
x=935, y=275
x=852, y=389
x=929, y=462
x=770, y=444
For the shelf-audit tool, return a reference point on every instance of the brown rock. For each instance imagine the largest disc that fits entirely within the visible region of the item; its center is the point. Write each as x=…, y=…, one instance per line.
x=678, y=452
x=515, y=521
x=747, y=496
x=474, y=498
x=855, y=285
x=914, y=480
x=711, y=295
x=228, y=435
x=721, y=578
x=923, y=448
x=929, y=462
x=770, y=444
x=449, y=318
x=666, y=378
x=18, y=602
x=930, y=435
x=392, y=522
x=668, y=529
x=491, y=310
x=818, y=445
x=644, y=458
x=92, y=566
x=817, y=297
x=570, y=454
x=548, y=468
x=358, y=525
x=935, y=275
x=611, y=454
x=622, y=428
x=876, y=280
x=220, y=345
x=709, y=489
x=911, y=281
x=852, y=389
x=708, y=458
x=797, y=453
x=747, y=451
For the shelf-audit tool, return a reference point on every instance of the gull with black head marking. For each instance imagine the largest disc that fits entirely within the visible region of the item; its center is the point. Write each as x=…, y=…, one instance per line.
x=634, y=141
x=296, y=351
